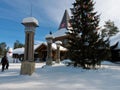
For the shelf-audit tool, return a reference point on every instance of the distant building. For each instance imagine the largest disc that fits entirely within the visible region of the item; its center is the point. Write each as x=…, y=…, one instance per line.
x=18, y=53
x=115, y=47
x=40, y=52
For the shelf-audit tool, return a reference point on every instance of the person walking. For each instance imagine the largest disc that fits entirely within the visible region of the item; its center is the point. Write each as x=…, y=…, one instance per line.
x=5, y=63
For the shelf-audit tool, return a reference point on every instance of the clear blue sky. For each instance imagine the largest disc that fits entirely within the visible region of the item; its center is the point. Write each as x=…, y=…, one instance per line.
x=49, y=14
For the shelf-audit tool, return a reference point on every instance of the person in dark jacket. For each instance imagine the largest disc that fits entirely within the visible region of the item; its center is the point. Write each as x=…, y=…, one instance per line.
x=5, y=63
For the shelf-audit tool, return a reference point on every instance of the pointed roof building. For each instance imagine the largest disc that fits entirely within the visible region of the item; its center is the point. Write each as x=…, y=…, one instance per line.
x=65, y=23
x=64, y=27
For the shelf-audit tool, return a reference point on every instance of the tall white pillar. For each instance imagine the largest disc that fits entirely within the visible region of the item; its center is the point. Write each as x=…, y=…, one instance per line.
x=28, y=64
x=49, y=39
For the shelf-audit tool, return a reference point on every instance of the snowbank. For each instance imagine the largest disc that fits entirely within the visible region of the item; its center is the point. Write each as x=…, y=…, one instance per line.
x=60, y=77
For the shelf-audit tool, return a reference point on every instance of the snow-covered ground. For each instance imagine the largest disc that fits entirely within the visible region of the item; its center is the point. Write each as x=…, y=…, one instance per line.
x=61, y=77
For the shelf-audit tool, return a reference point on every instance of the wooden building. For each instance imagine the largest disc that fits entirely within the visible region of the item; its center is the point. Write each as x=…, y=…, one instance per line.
x=40, y=52
x=115, y=52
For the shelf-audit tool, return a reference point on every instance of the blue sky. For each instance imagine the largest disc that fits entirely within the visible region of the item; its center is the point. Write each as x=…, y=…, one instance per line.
x=49, y=14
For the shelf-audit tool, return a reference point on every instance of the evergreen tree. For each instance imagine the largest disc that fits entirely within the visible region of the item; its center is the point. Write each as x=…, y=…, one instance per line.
x=17, y=44
x=2, y=48
x=85, y=46
x=109, y=29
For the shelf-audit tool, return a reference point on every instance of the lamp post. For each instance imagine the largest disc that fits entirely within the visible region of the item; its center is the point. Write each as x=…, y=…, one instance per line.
x=28, y=64
x=49, y=39
x=58, y=43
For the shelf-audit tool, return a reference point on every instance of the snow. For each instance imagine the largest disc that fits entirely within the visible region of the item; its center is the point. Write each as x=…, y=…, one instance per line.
x=21, y=50
x=61, y=77
x=10, y=51
x=37, y=45
x=49, y=36
x=66, y=61
x=54, y=46
x=18, y=51
x=58, y=42
x=61, y=32
x=107, y=63
x=115, y=39
x=30, y=20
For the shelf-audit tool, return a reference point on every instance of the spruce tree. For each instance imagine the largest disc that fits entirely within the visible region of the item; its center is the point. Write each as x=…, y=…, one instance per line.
x=85, y=46
x=17, y=44
x=2, y=48
x=109, y=29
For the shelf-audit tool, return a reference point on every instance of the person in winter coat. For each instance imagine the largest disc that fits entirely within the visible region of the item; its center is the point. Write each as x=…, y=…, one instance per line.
x=5, y=63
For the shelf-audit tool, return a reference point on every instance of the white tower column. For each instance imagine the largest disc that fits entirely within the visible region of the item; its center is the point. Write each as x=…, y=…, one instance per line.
x=49, y=39
x=28, y=64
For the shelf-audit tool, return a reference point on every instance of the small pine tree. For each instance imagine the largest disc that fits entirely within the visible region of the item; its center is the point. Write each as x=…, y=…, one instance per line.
x=85, y=47
x=17, y=44
x=2, y=48
x=109, y=29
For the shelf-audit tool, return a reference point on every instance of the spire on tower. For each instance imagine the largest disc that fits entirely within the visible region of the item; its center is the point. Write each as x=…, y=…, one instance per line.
x=65, y=23
x=31, y=8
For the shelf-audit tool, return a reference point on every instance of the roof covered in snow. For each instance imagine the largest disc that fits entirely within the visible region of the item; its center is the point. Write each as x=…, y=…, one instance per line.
x=64, y=27
x=61, y=32
x=21, y=50
x=30, y=20
x=49, y=36
x=54, y=46
x=18, y=51
x=115, y=39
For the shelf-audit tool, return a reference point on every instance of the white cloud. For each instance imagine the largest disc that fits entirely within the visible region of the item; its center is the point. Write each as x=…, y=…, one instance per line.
x=53, y=9
x=109, y=9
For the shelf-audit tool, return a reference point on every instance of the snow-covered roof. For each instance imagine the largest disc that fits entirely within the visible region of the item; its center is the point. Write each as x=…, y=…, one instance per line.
x=61, y=32
x=64, y=26
x=18, y=51
x=58, y=42
x=114, y=40
x=49, y=36
x=21, y=50
x=30, y=20
x=37, y=45
x=54, y=46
